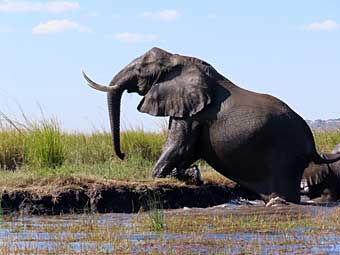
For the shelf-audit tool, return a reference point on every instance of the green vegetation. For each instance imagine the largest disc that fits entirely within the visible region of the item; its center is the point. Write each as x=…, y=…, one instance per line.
x=40, y=155
x=40, y=151
x=326, y=140
x=287, y=230
x=43, y=145
x=156, y=213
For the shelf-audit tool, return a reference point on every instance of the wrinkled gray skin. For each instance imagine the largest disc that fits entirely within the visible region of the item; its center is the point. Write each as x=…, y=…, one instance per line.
x=254, y=139
x=321, y=183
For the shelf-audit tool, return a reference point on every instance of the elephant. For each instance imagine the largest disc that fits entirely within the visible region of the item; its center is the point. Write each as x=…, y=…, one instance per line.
x=253, y=139
x=321, y=183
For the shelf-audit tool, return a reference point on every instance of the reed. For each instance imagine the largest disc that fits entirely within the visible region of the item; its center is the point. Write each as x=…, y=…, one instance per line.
x=42, y=149
x=156, y=212
x=43, y=145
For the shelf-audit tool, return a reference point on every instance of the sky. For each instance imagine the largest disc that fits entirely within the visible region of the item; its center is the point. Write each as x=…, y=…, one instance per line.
x=289, y=49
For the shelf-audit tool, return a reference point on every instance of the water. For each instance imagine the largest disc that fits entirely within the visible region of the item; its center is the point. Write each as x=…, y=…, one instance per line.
x=187, y=231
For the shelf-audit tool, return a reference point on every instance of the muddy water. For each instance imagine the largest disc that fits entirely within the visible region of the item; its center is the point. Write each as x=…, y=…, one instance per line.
x=199, y=231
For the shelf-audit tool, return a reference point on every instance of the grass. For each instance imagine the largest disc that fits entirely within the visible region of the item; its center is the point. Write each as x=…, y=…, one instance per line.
x=156, y=213
x=44, y=145
x=271, y=231
x=40, y=150
x=12, y=149
x=42, y=155
x=326, y=140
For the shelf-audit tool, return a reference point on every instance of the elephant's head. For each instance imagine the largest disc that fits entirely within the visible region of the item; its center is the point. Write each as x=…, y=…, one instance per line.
x=172, y=85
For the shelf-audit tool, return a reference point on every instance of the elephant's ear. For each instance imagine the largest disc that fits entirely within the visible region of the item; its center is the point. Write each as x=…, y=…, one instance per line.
x=182, y=93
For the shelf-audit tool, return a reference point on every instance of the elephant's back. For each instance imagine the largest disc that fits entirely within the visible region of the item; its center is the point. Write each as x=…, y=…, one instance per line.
x=247, y=134
x=248, y=117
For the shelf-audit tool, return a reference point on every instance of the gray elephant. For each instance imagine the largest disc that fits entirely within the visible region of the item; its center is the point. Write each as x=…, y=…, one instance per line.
x=321, y=183
x=254, y=139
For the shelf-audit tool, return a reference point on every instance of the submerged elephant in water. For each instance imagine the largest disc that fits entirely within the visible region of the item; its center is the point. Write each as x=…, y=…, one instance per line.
x=253, y=139
x=321, y=183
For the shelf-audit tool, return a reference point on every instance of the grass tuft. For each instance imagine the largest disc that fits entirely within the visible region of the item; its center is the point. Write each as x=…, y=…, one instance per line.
x=44, y=145
x=156, y=212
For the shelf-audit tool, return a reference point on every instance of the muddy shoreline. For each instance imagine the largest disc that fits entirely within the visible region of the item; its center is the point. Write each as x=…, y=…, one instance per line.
x=114, y=197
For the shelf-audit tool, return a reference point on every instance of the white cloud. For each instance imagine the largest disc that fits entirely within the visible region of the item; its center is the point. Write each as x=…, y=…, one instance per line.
x=164, y=15
x=134, y=37
x=58, y=26
x=51, y=7
x=326, y=25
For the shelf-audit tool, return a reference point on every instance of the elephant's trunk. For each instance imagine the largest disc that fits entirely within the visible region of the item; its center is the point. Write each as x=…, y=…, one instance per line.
x=114, y=95
x=113, y=101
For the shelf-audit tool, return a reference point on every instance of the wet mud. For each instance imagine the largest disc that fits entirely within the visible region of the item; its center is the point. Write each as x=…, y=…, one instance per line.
x=116, y=197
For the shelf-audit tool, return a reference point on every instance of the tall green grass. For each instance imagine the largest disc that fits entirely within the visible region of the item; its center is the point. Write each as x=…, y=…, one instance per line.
x=97, y=147
x=38, y=144
x=326, y=140
x=42, y=144
x=43, y=147
x=12, y=148
x=156, y=212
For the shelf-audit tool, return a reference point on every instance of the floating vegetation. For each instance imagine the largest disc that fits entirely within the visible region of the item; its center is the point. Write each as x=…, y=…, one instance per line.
x=230, y=230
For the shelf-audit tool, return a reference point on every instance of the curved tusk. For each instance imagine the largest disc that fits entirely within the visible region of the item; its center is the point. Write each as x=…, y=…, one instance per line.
x=96, y=86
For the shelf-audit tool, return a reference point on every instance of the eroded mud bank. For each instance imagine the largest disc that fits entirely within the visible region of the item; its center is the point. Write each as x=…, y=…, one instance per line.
x=115, y=197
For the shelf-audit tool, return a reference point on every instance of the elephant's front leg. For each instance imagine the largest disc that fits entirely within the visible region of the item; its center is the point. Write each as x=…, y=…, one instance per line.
x=179, y=151
x=189, y=175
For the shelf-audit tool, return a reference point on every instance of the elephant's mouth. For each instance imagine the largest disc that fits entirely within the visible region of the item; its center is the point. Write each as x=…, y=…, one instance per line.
x=142, y=87
x=132, y=90
x=145, y=83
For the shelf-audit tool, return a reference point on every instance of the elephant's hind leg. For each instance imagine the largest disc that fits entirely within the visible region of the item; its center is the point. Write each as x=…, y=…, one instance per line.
x=179, y=150
x=286, y=182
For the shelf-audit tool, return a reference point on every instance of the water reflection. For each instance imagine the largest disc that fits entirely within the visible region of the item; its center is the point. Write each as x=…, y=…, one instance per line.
x=126, y=233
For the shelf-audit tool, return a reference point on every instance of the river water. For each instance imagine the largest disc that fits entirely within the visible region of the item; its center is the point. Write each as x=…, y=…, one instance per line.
x=199, y=231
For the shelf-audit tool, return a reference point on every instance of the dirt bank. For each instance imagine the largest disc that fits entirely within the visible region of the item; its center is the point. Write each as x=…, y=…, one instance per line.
x=76, y=196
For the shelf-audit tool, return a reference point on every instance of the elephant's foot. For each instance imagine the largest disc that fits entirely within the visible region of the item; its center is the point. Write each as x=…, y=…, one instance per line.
x=191, y=176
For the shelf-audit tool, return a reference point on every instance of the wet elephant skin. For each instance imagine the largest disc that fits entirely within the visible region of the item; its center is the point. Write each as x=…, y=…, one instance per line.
x=254, y=139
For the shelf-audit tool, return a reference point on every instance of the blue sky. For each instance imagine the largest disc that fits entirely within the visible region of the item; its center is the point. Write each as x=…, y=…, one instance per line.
x=289, y=49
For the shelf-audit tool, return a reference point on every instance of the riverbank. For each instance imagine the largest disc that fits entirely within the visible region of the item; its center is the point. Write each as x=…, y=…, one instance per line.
x=44, y=170
x=77, y=195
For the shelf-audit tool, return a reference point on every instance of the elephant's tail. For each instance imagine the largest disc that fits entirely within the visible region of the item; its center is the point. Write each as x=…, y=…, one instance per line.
x=325, y=158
